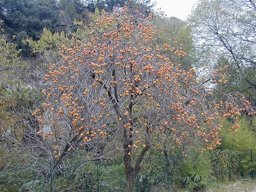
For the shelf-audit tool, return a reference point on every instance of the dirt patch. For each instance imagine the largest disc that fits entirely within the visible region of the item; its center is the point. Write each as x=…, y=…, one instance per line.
x=238, y=186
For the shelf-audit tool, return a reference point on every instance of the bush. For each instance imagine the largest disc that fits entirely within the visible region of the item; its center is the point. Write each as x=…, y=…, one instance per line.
x=13, y=178
x=194, y=172
x=238, y=154
x=225, y=164
x=93, y=176
x=242, y=139
x=154, y=172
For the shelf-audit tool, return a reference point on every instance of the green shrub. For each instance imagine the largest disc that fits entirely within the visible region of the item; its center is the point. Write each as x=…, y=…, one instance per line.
x=243, y=140
x=154, y=172
x=191, y=172
x=93, y=176
x=225, y=164
x=237, y=156
x=247, y=165
x=13, y=179
x=194, y=172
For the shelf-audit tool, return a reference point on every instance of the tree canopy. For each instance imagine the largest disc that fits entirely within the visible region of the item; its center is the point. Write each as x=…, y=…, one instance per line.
x=227, y=28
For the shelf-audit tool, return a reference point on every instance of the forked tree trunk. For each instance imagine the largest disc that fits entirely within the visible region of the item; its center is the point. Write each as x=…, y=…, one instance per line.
x=131, y=172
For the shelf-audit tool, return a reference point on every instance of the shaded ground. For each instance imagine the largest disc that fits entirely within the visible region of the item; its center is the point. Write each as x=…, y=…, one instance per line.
x=237, y=186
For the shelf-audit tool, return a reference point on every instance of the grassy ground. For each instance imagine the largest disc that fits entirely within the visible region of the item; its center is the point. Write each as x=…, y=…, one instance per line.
x=236, y=186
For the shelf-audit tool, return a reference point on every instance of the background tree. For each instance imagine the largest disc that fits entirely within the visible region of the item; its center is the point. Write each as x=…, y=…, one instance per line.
x=27, y=18
x=177, y=34
x=109, y=5
x=228, y=28
x=16, y=101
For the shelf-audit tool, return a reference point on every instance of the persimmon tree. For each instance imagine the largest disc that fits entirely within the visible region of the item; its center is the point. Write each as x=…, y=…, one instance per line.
x=117, y=86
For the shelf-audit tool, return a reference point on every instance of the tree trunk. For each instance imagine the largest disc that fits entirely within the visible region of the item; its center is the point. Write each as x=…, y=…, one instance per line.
x=130, y=182
x=129, y=170
x=168, y=169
